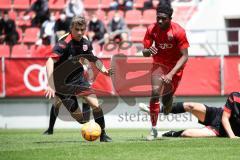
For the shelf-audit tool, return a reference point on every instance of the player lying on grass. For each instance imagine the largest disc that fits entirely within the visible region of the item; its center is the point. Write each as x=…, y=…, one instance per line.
x=219, y=122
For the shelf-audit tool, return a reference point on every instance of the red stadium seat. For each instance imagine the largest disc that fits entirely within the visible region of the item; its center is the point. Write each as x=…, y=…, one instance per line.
x=40, y=51
x=5, y=51
x=21, y=4
x=5, y=4
x=20, y=51
x=21, y=21
x=20, y=34
x=12, y=15
x=138, y=33
x=31, y=35
x=56, y=4
x=133, y=17
x=138, y=3
x=105, y=4
x=91, y=4
x=149, y=16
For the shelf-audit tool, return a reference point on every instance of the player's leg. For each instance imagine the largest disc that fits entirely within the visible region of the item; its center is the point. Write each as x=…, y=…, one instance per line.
x=167, y=101
x=201, y=132
x=98, y=116
x=71, y=104
x=208, y=116
x=53, y=115
x=193, y=132
x=197, y=109
x=86, y=111
x=157, y=84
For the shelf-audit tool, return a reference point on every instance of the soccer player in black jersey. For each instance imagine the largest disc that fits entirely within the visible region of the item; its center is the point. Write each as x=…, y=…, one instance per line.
x=219, y=122
x=65, y=74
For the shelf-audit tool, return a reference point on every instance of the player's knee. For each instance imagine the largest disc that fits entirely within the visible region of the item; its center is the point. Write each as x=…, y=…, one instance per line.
x=155, y=96
x=188, y=106
x=167, y=100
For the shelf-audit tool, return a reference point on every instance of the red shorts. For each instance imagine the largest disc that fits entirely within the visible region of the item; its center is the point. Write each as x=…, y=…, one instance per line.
x=160, y=69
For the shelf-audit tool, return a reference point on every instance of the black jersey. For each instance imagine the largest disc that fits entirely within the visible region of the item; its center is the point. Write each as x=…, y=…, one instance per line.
x=232, y=106
x=68, y=71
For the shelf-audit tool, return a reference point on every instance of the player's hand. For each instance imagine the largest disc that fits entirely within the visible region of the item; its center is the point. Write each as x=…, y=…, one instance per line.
x=49, y=92
x=108, y=72
x=167, y=78
x=153, y=50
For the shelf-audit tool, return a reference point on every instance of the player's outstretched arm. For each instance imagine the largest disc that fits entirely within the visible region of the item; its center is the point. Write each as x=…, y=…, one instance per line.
x=226, y=124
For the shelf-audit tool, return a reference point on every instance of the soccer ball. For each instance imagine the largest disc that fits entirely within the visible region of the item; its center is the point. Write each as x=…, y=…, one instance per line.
x=91, y=131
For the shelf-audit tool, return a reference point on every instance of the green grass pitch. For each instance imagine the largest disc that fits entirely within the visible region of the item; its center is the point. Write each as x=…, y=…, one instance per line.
x=127, y=145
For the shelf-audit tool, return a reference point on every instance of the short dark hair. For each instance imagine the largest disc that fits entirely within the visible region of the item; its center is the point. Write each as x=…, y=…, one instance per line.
x=79, y=20
x=164, y=6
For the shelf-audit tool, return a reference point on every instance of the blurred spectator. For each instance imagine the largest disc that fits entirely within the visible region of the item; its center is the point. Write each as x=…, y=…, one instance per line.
x=47, y=31
x=117, y=28
x=151, y=4
x=8, y=30
x=41, y=10
x=121, y=5
x=96, y=29
x=74, y=8
x=1, y=23
x=61, y=26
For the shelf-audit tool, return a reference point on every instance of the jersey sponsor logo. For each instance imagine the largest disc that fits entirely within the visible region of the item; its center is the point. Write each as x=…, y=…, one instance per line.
x=165, y=45
x=85, y=47
x=42, y=77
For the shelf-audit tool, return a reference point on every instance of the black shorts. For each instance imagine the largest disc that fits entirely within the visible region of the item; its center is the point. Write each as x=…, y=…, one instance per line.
x=213, y=120
x=68, y=92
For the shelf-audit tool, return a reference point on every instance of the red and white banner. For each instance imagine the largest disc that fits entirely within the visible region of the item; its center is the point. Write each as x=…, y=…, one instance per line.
x=1, y=78
x=231, y=74
x=27, y=77
x=201, y=77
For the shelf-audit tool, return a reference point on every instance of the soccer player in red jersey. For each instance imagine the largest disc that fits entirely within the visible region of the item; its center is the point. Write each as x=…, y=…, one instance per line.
x=166, y=41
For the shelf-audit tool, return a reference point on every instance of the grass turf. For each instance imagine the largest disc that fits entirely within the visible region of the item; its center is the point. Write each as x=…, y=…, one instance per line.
x=126, y=145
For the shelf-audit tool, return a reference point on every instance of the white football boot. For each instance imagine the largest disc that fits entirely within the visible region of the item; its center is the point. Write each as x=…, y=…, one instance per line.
x=153, y=134
x=143, y=107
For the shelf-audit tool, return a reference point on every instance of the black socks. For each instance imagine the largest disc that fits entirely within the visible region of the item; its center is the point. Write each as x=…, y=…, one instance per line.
x=99, y=117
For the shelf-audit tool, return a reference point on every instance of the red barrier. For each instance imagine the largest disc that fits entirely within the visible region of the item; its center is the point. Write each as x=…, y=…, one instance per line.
x=1, y=78
x=201, y=77
x=27, y=77
x=231, y=74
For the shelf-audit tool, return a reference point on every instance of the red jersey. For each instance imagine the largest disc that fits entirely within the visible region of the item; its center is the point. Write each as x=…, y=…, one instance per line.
x=168, y=42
